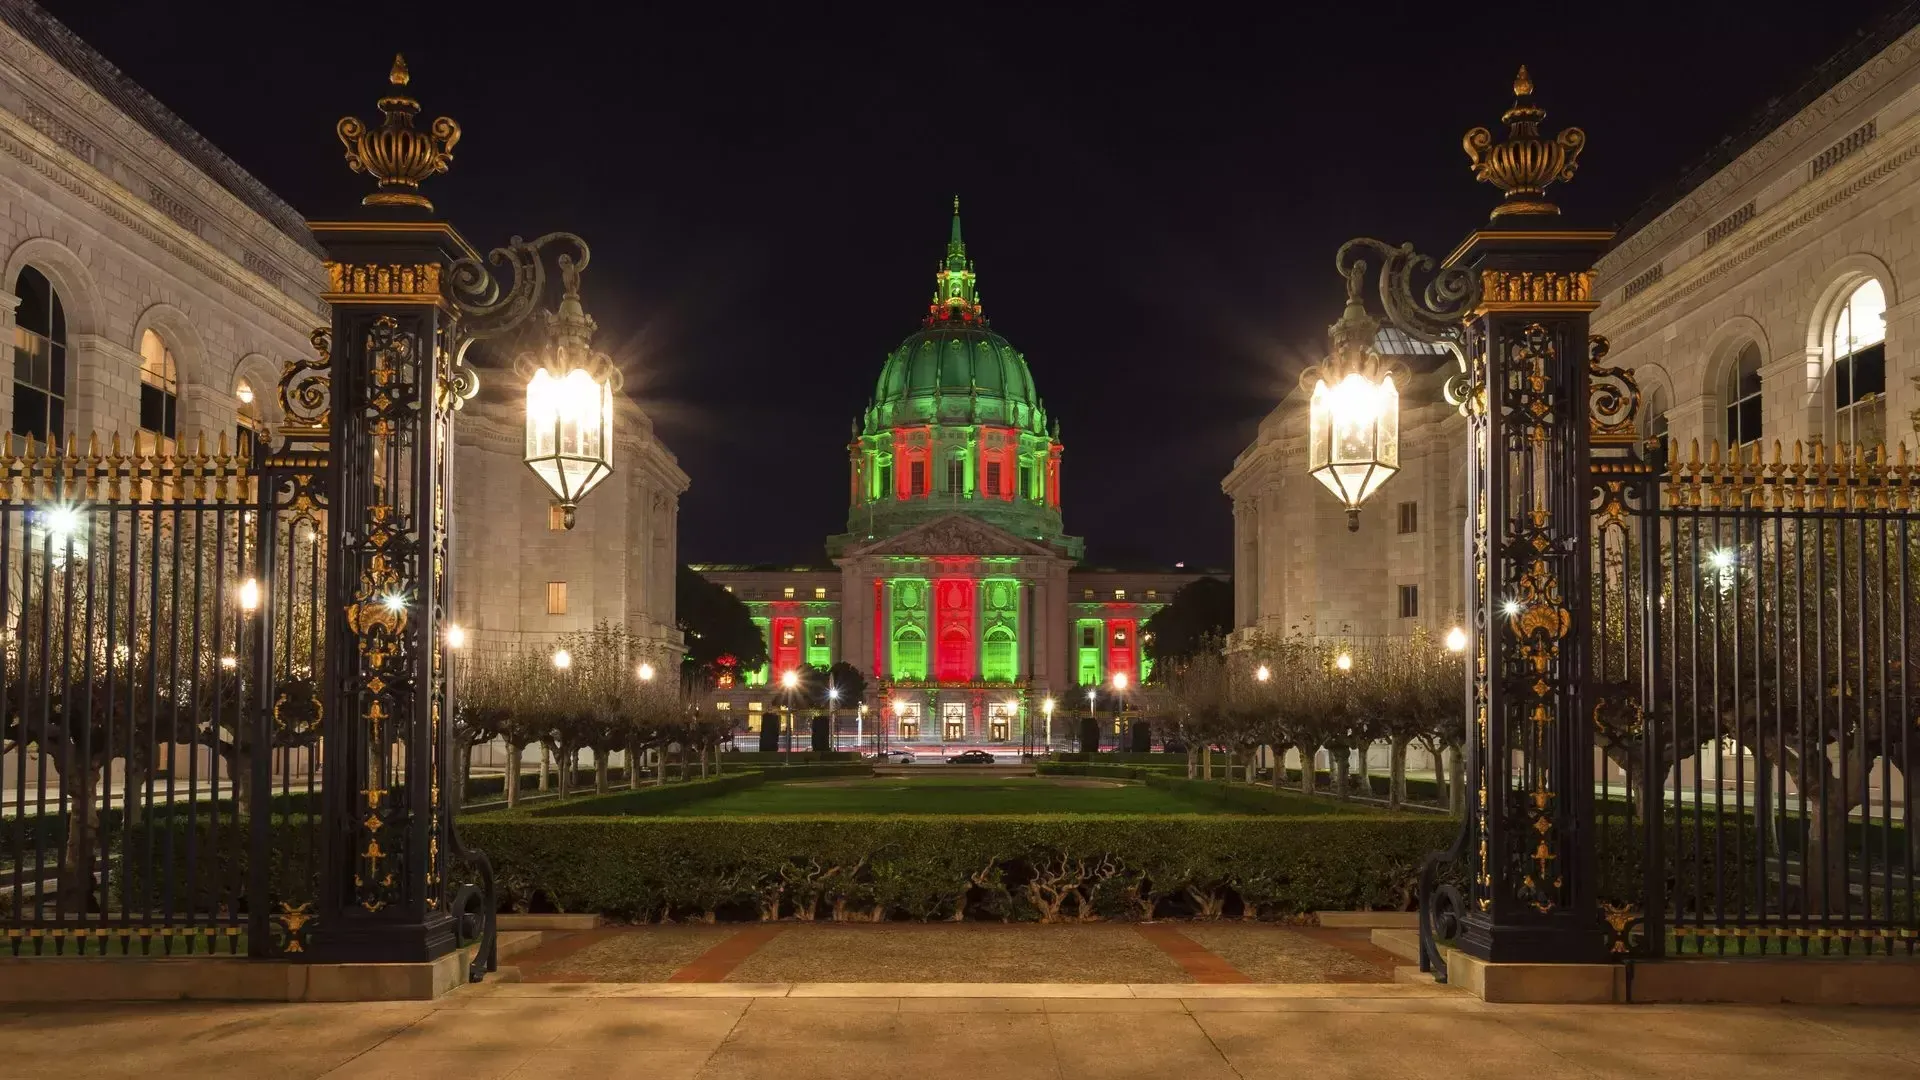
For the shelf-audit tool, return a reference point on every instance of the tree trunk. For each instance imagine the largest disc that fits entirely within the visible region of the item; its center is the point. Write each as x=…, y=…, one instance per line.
x=703, y=762
x=563, y=764
x=465, y=777
x=1456, y=779
x=1342, y=762
x=1823, y=872
x=1366, y=770
x=660, y=764
x=599, y=771
x=543, y=766
x=1397, y=772
x=1206, y=757
x=1306, y=767
x=1193, y=763
x=75, y=885
x=514, y=750
x=1278, y=778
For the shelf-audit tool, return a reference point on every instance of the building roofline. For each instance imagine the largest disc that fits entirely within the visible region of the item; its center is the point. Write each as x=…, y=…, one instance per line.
x=85, y=63
x=1814, y=84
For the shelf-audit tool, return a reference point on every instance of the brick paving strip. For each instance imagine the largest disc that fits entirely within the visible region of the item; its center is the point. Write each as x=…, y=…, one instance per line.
x=1195, y=960
x=717, y=963
x=563, y=946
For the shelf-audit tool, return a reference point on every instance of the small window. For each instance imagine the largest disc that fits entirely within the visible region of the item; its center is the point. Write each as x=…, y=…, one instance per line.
x=1086, y=594
x=1026, y=480
x=819, y=592
x=1409, y=517
x=886, y=479
x=953, y=720
x=910, y=727
x=787, y=636
x=723, y=706
x=956, y=475
x=753, y=706
x=556, y=518
x=1153, y=594
x=729, y=588
x=993, y=479
x=818, y=638
x=997, y=728
x=917, y=479
x=787, y=592
x=1409, y=601
x=1743, y=397
x=556, y=598
x=1119, y=594
x=1089, y=637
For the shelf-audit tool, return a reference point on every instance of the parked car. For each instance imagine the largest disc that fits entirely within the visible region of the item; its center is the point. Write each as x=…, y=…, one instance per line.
x=893, y=757
x=971, y=757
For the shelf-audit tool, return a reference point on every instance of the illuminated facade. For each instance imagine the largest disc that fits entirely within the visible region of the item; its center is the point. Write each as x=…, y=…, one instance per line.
x=954, y=589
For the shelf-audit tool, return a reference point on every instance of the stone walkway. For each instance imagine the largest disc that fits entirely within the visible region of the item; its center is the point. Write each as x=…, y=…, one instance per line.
x=928, y=1031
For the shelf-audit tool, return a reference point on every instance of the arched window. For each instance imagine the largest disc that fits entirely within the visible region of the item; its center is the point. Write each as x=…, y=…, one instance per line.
x=249, y=426
x=1653, y=416
x=1742, y=395
x=1859, y=371
x=39, y=358
x=159, y=386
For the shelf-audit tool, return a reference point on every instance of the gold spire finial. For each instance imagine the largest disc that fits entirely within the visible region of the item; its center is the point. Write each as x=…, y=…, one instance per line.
x=1525, y=163
x=395, y=154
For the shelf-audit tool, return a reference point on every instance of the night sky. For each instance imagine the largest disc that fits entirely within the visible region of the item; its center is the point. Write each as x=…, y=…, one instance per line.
x=1152, y=198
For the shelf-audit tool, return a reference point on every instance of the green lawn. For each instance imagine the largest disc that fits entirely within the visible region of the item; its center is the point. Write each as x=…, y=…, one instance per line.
x=942, y=795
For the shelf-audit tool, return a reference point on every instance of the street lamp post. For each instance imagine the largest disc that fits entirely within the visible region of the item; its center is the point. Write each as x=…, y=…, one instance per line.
x=1120, y=681
x=790, y=683
x=1512, y=303
x=1046, y=707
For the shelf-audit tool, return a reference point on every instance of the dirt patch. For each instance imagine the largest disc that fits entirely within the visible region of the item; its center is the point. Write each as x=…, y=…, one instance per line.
x=962, y=952
x=638, y=954
x=1293, y=955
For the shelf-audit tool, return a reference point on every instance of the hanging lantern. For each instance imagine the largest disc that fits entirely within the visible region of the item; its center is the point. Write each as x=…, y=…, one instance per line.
x=1353, y=416
x=570, y=403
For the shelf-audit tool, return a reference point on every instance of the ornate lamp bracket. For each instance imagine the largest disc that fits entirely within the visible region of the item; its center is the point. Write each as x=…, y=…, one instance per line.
x=1435, y=313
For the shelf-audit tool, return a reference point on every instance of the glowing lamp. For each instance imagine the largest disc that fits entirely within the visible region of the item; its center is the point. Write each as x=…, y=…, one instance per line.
x=562, y=659
x=645, y=671
x=1353, y=438
x=1047, y=706
x=1119, y=680
x=1344, y=661
x=570, y=391
x=790, y=679
x=1456, y=640
x=569, y=434
x=456, y=636
x=1263, y=673
x=249, y=596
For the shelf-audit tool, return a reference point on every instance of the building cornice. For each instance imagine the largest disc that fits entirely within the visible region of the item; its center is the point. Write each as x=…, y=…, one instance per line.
x=1880, y=160
x=1694, y=210
x=27, y=145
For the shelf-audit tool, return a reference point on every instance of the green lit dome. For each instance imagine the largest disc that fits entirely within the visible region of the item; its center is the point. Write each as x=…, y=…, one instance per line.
x=955, y=369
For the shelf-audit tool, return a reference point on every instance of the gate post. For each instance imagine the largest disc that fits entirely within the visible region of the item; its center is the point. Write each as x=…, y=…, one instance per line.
x=1531, y=837
x=383, y=890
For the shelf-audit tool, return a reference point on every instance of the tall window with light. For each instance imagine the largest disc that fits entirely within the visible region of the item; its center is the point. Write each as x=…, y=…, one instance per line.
x=1859, y=371
x=159, y=387
x=39, y=357
x=1742, y=395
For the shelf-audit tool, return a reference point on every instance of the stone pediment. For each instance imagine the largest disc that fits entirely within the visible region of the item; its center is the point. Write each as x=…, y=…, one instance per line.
x=955, y=534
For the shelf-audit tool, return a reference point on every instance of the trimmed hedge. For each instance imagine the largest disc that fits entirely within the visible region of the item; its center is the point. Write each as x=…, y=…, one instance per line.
x=1113, y=772
x=1027, y=868
x=653, y=800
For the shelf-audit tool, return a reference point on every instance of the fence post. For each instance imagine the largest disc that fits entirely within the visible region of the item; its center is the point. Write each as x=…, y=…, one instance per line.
x=1530, y=763
x=384, y=895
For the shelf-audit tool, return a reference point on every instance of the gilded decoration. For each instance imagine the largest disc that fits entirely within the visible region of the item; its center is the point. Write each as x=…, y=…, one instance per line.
x=1613, y=399
x=290, y=926
x=1535, y=289
x=188, y=472
x=394, y=154
x=1524, y=164
x=391, y=282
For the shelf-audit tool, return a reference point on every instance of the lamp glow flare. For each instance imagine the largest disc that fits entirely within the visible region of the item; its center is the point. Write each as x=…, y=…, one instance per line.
x=1353, y=439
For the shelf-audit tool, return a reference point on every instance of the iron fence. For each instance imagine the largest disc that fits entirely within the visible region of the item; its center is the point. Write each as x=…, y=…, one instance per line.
x=160, y=714
x=1757, y=626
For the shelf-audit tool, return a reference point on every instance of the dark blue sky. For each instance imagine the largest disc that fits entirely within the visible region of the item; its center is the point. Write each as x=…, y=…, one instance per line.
x=1152, y=195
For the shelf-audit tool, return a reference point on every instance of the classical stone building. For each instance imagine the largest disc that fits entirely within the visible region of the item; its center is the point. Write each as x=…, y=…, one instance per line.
x=154, y=289
x=1769, y=298
x=955, y=588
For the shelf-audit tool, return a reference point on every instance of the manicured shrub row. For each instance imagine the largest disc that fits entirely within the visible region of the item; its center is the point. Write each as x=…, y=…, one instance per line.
x=1112, y=772
x=1016, y=868
x=1121, y=757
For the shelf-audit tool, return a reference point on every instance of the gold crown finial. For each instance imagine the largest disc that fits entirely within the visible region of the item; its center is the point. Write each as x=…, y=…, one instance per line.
x=395, y=154
x=1525, y=163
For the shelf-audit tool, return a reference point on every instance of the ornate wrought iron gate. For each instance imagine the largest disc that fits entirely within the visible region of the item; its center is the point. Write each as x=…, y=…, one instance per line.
x=1757, y=623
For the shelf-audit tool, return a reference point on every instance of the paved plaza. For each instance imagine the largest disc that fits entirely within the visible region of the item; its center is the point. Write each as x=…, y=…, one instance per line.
x=555, y=1031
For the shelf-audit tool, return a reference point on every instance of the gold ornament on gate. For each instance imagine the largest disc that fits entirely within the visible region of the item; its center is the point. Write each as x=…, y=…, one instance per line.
x=1526, y=162
x=394, y=153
